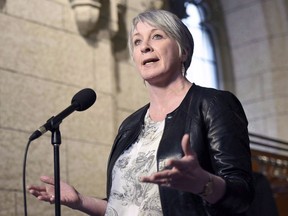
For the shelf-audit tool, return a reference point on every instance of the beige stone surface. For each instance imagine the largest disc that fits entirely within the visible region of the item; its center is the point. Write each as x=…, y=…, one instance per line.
x=69, y=23
x=275, y=15
x=246, y=24
x=251, y=59
x=257, y=18
x=130, y=14
x=275, y=84
x=87, y=164
x=258, y=39
x=260, y=57
x=246, y=89
x=233, y=5
x=261, y=108
x=45, y=12
x=95, y=124
x=122, y=114
x=24, y=99
x=46, y=53
x=7, y=200
x=130, y=80
x=104, y=68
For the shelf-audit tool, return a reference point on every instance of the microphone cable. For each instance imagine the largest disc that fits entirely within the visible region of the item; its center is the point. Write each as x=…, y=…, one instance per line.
x=24, y=177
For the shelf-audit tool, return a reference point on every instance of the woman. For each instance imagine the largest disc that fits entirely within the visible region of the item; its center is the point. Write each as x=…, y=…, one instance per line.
x=185, y=153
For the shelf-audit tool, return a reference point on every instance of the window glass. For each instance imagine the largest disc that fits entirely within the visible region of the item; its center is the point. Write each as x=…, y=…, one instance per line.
x=202, y=70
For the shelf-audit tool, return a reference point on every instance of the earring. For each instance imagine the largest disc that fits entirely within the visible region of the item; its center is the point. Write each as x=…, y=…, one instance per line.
x=183, y=70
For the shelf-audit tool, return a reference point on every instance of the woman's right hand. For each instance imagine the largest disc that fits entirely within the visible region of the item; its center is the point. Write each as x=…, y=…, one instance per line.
x=69, y=196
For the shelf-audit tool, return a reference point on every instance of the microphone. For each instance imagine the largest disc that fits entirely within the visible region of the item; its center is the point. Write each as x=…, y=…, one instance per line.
x=80, y=102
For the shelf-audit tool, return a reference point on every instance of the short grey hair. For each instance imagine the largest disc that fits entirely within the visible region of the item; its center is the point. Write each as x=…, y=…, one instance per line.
x=171, y=25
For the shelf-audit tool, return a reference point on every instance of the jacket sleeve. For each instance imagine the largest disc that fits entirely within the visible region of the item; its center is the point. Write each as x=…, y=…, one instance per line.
x=228, y=140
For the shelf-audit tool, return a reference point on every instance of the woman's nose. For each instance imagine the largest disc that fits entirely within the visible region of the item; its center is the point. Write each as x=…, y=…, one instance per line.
x=145, y=47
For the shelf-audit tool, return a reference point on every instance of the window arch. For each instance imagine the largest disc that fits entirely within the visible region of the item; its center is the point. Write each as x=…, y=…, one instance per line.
x=203, y=68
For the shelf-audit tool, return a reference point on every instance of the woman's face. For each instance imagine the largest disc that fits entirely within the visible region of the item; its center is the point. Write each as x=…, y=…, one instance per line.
x=155, y=54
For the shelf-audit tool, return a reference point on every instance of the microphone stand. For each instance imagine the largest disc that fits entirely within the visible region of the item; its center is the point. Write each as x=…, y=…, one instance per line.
x=81, y=101
x=56, y=141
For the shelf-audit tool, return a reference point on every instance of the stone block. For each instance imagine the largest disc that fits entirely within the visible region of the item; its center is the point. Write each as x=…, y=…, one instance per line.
x=122, y=114
x=7, y=202
x=275, y=84
x=39, y=159
x=232, y=5
x=25, y=101
x=275, y=15
x=43, y=12
x=257, y=126
x=87, y=165
x=278, y=51
x=69, y=22
x=133, y=93
x=45, y=53
x=259, y=109
x=249, y=89
x=246, y=25
x=250, y=60
x=95, y=124
x=104, y=68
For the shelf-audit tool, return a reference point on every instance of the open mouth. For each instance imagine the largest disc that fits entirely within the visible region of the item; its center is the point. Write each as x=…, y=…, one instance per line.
x=150, y=60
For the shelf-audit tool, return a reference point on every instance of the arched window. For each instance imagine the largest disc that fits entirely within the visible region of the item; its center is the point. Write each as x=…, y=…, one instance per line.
x=203, y=70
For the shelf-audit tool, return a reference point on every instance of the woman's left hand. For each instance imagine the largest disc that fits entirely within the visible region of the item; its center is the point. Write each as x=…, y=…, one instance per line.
x=185, y=174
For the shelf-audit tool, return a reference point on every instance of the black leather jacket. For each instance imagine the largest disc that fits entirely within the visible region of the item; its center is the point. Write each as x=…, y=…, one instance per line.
x=218, y=132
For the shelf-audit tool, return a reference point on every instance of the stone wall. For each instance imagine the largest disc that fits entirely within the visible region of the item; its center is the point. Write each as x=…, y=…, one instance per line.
x=258, y=38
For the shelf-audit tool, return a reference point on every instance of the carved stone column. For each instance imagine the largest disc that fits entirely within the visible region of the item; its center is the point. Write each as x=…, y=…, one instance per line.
x=86, y=14
x=116, y=9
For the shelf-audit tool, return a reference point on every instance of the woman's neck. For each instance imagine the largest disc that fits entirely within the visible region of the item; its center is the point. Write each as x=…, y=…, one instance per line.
x=164, y=100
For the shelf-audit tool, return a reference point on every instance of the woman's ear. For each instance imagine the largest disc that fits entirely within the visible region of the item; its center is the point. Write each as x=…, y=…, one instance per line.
x=184, y=55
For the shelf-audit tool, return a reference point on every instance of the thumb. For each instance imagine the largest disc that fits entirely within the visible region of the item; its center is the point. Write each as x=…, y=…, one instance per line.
x=186, y=146
x=47, y=179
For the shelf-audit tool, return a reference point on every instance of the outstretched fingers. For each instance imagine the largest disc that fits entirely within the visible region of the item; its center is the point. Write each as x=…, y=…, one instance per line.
x=35, y=190
x=40, y=193
x=162, y=178
x=44, y=193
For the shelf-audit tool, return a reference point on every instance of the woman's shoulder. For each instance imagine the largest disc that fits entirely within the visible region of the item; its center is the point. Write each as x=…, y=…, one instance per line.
x=215, y=100
x=210, y=92
x=212, y=95
x=133, y=119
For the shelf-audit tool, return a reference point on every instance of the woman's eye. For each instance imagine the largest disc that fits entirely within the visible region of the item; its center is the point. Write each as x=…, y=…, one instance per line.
x=157, y=36
x=136, y=42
